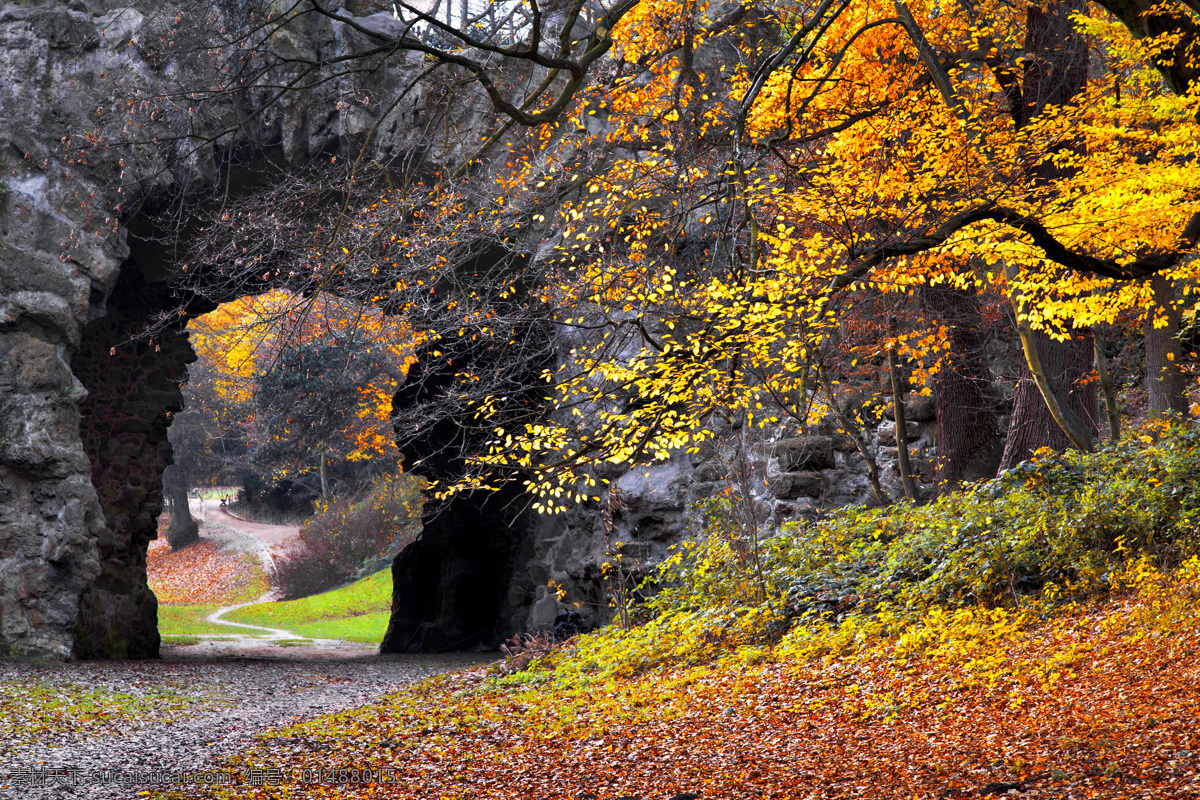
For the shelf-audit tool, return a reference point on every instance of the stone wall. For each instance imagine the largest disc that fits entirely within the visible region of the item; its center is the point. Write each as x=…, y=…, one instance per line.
x=73, y=184
x=484, y=572
x=133, y=387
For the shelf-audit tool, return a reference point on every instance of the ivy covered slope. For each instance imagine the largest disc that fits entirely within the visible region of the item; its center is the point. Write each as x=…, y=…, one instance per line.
x=1055, y=532
x=1037, y=632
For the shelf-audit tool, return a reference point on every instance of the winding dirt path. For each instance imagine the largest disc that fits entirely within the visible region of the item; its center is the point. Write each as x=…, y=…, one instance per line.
x=272, y=633
x=255, y=641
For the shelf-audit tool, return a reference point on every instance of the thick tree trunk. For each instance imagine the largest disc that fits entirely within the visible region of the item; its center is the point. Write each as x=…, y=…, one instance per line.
x=969, y=444
x=1069, y=367
x=1166, y=387
x=1055, y=63
x=1080, y=430
x=1055, y=70
x=183, y=530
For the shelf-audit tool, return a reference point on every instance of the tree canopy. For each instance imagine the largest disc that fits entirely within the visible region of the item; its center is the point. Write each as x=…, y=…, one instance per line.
x=708, y=204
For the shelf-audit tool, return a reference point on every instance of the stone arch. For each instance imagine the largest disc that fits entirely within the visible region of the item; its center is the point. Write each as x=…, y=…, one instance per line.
x=83, y=426
x=84, y=410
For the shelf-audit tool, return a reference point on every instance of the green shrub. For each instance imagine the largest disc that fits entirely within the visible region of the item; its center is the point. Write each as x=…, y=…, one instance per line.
x=344, y=539
x=1058, y=524
x=1057, y=529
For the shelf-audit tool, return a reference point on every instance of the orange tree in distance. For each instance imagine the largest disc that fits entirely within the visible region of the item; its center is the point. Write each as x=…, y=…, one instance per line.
x=307, y=380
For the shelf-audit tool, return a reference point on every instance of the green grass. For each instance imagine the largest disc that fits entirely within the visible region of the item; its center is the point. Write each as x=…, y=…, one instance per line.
x=356, y=613
x=189, y=621
x=216, y=492
x=366, y=628
x=181, y=641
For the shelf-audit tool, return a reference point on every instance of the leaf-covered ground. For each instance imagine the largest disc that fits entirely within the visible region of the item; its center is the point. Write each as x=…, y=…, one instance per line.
x=116, y=730
x=206, y=572
x=46, y=704
x=1102, y=703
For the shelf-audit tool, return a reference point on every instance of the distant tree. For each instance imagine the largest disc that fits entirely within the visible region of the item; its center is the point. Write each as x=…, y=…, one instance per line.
x=182, y=529
x=298, y=386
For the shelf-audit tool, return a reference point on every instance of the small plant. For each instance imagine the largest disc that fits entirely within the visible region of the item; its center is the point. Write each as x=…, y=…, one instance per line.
x=521, y=650
x=617, y=574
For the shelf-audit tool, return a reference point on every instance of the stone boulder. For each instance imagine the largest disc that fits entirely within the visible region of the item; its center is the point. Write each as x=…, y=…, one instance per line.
x=805, y=453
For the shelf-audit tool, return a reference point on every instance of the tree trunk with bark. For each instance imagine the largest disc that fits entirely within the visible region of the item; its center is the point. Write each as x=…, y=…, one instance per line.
x=1055, y=70
x=1166, y=386
x=1107, y=391
x=910, y=486
x=183, y=530
x=968, y=436
x=1068, y=365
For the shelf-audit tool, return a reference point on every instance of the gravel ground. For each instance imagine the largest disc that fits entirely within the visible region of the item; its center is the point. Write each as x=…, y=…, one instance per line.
x=230, y=692
x=116, y=730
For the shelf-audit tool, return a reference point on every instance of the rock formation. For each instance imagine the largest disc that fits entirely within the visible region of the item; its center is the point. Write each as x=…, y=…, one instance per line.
x=104, y=125
x=99, y=131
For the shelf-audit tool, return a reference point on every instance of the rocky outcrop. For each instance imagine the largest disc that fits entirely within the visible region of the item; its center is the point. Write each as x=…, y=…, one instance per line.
x=449, y=585
x=794, y=475
x=133, y=387
x=478, y=577
x=101, y=125
x=50, y=518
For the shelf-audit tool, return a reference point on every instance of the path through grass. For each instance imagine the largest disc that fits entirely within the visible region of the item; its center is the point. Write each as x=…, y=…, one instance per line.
x=188, y=621
x=356, y=613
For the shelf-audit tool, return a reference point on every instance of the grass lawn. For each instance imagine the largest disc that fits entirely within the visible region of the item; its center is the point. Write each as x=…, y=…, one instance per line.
x=356, y=613
x=366, y=628
x=189, y=621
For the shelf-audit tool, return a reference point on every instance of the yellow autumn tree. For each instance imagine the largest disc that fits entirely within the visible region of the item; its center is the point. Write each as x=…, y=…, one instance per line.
x=850, y=149
x=306, y=379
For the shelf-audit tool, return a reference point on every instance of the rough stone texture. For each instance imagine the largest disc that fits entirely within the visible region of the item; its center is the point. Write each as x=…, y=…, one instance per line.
x=70, y=579
x=888, y=434
x=49, y=517
x=132, y=386
x=658, y=507
x=810, y=452
x=917, y=408
x=449, y=584
x=664, y=504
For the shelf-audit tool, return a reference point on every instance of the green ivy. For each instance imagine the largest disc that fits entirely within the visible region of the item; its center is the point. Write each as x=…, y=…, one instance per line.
x=1053, y=531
